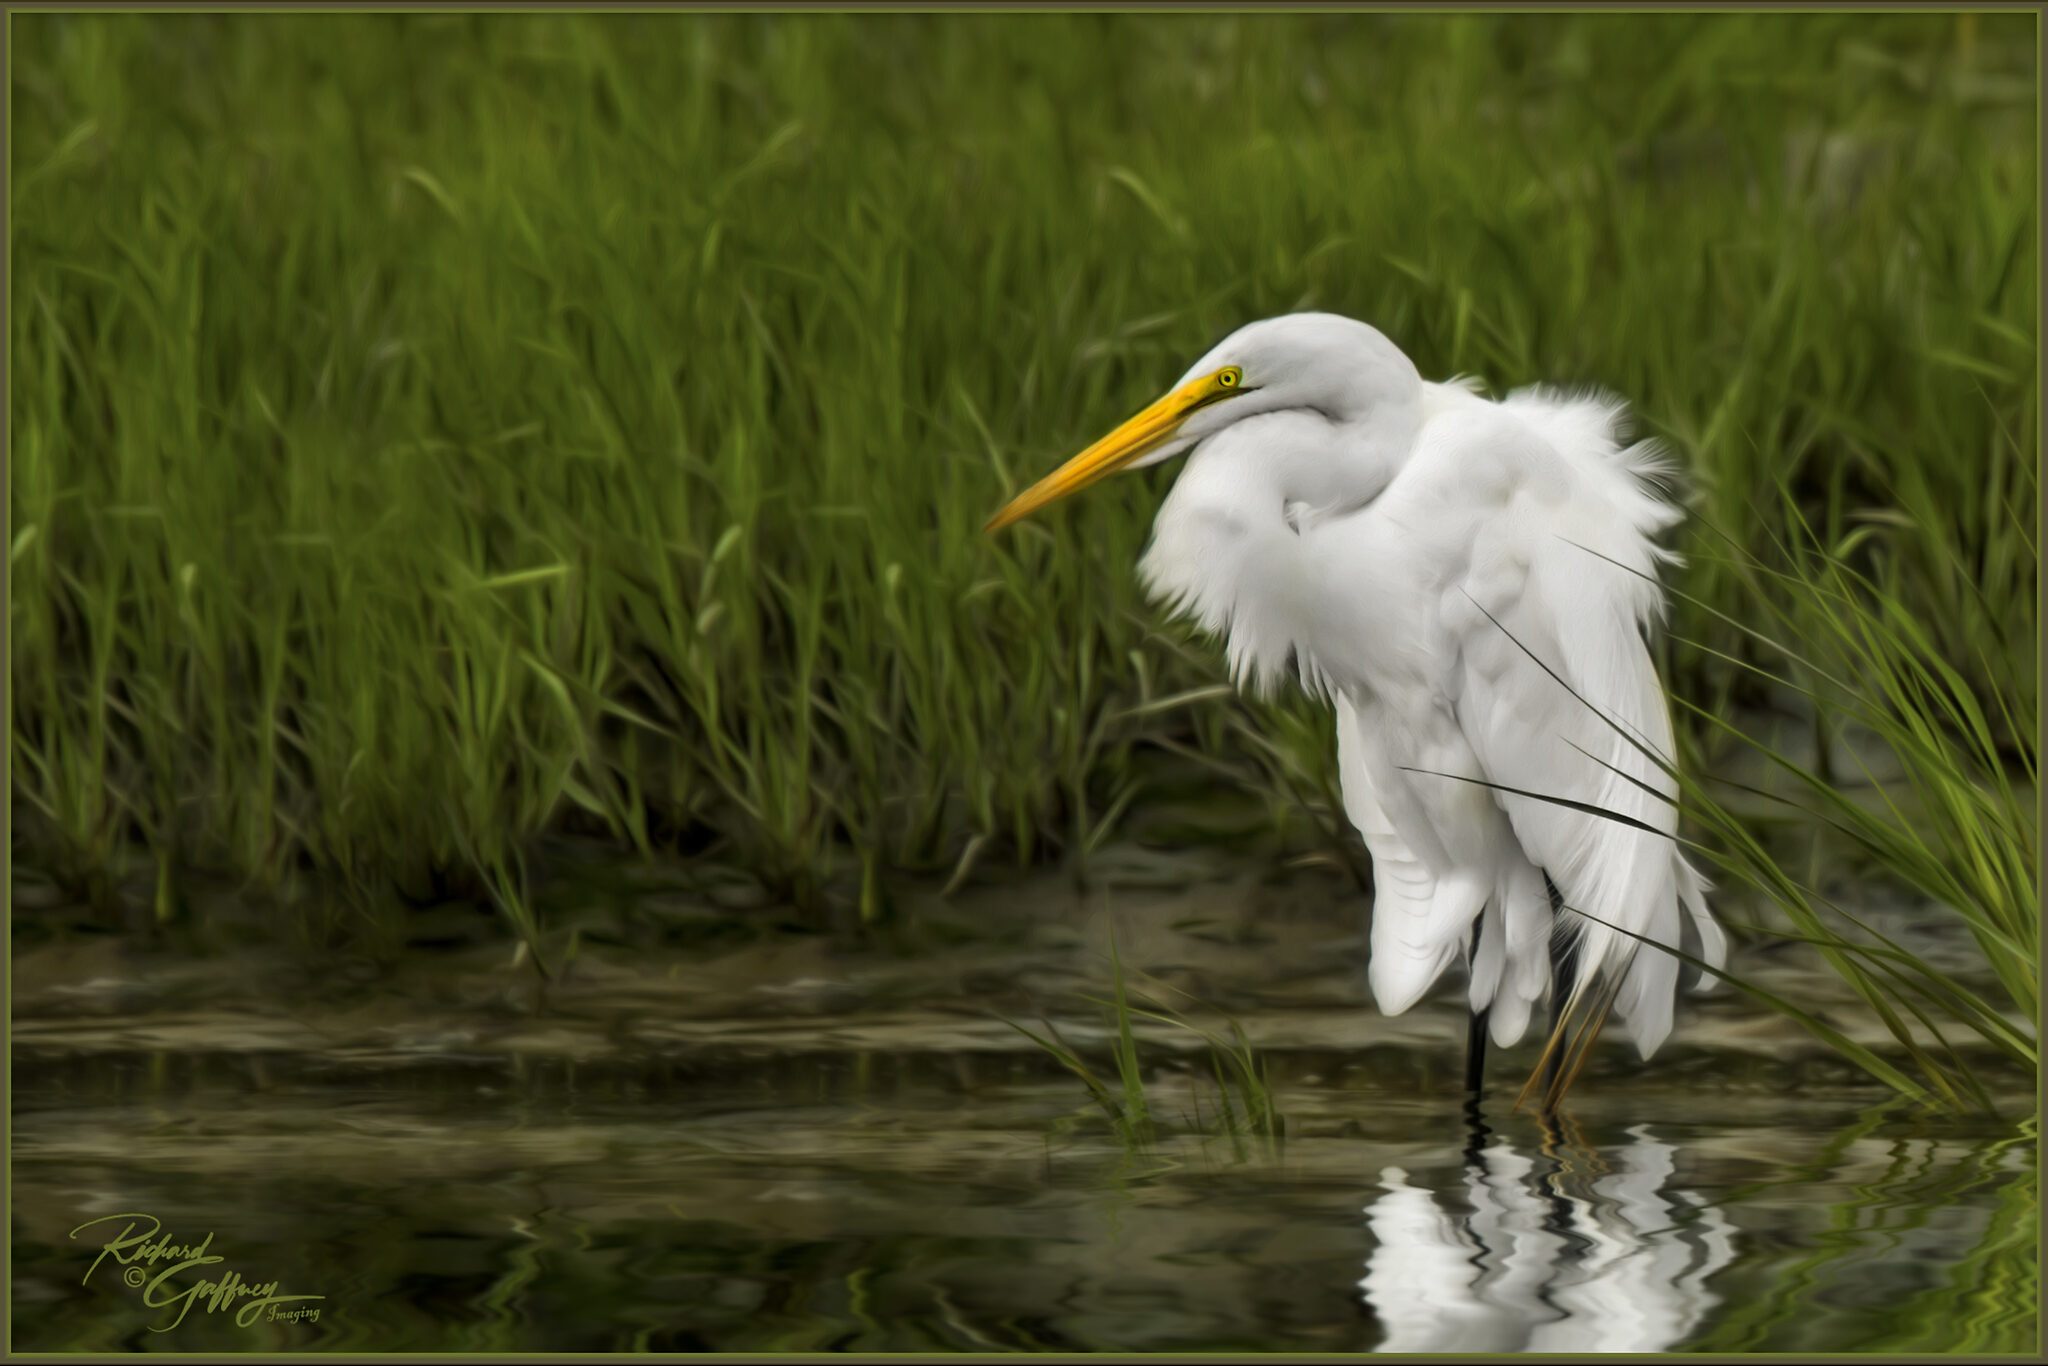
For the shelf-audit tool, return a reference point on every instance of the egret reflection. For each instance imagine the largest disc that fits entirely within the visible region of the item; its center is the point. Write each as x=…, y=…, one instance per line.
x=1573, y=1250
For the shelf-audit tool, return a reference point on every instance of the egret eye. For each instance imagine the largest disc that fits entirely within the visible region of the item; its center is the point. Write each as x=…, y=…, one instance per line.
x=1229, y=377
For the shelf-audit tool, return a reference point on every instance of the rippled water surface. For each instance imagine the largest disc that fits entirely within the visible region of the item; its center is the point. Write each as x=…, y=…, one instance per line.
x=785, y=1146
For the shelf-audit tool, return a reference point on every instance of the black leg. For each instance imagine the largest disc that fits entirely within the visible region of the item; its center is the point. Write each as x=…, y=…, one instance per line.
x=1475, y=1035
x=1475, y=1052
x=1560, y=984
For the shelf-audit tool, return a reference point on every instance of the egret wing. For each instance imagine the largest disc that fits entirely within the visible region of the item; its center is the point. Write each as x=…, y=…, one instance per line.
x=1557, y=693
x=1413, y=937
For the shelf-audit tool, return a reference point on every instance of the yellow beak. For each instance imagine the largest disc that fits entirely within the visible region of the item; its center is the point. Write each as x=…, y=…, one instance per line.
x=1142, y=434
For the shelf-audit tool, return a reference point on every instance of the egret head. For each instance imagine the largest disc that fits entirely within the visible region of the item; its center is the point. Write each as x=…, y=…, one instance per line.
x=1329, y=367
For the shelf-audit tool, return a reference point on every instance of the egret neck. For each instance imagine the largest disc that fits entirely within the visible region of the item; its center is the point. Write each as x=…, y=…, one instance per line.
x=1239, y=543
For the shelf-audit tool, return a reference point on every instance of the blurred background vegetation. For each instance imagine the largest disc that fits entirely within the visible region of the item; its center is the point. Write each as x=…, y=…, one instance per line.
x=431, y=433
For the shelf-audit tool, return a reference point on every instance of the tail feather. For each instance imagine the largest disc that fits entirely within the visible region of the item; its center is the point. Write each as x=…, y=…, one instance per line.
x=1713, y=940
x=1414, y=940
x=1511, y=973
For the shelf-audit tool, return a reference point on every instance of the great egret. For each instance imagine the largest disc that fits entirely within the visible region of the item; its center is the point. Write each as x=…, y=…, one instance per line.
x=1468, y=582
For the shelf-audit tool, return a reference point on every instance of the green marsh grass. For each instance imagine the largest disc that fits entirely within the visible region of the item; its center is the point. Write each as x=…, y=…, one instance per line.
x=429, y=432
x=1945, y=805
x=1241, y=1106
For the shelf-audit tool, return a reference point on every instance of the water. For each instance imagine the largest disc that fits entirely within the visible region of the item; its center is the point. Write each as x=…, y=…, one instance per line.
x=967, y=1203
x=783, y=1145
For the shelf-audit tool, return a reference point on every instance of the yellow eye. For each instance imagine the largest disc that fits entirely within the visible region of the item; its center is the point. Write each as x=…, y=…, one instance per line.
x=1229, y=377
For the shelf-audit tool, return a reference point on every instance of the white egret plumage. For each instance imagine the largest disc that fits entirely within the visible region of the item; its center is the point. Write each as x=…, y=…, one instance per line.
x=1469, y=583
